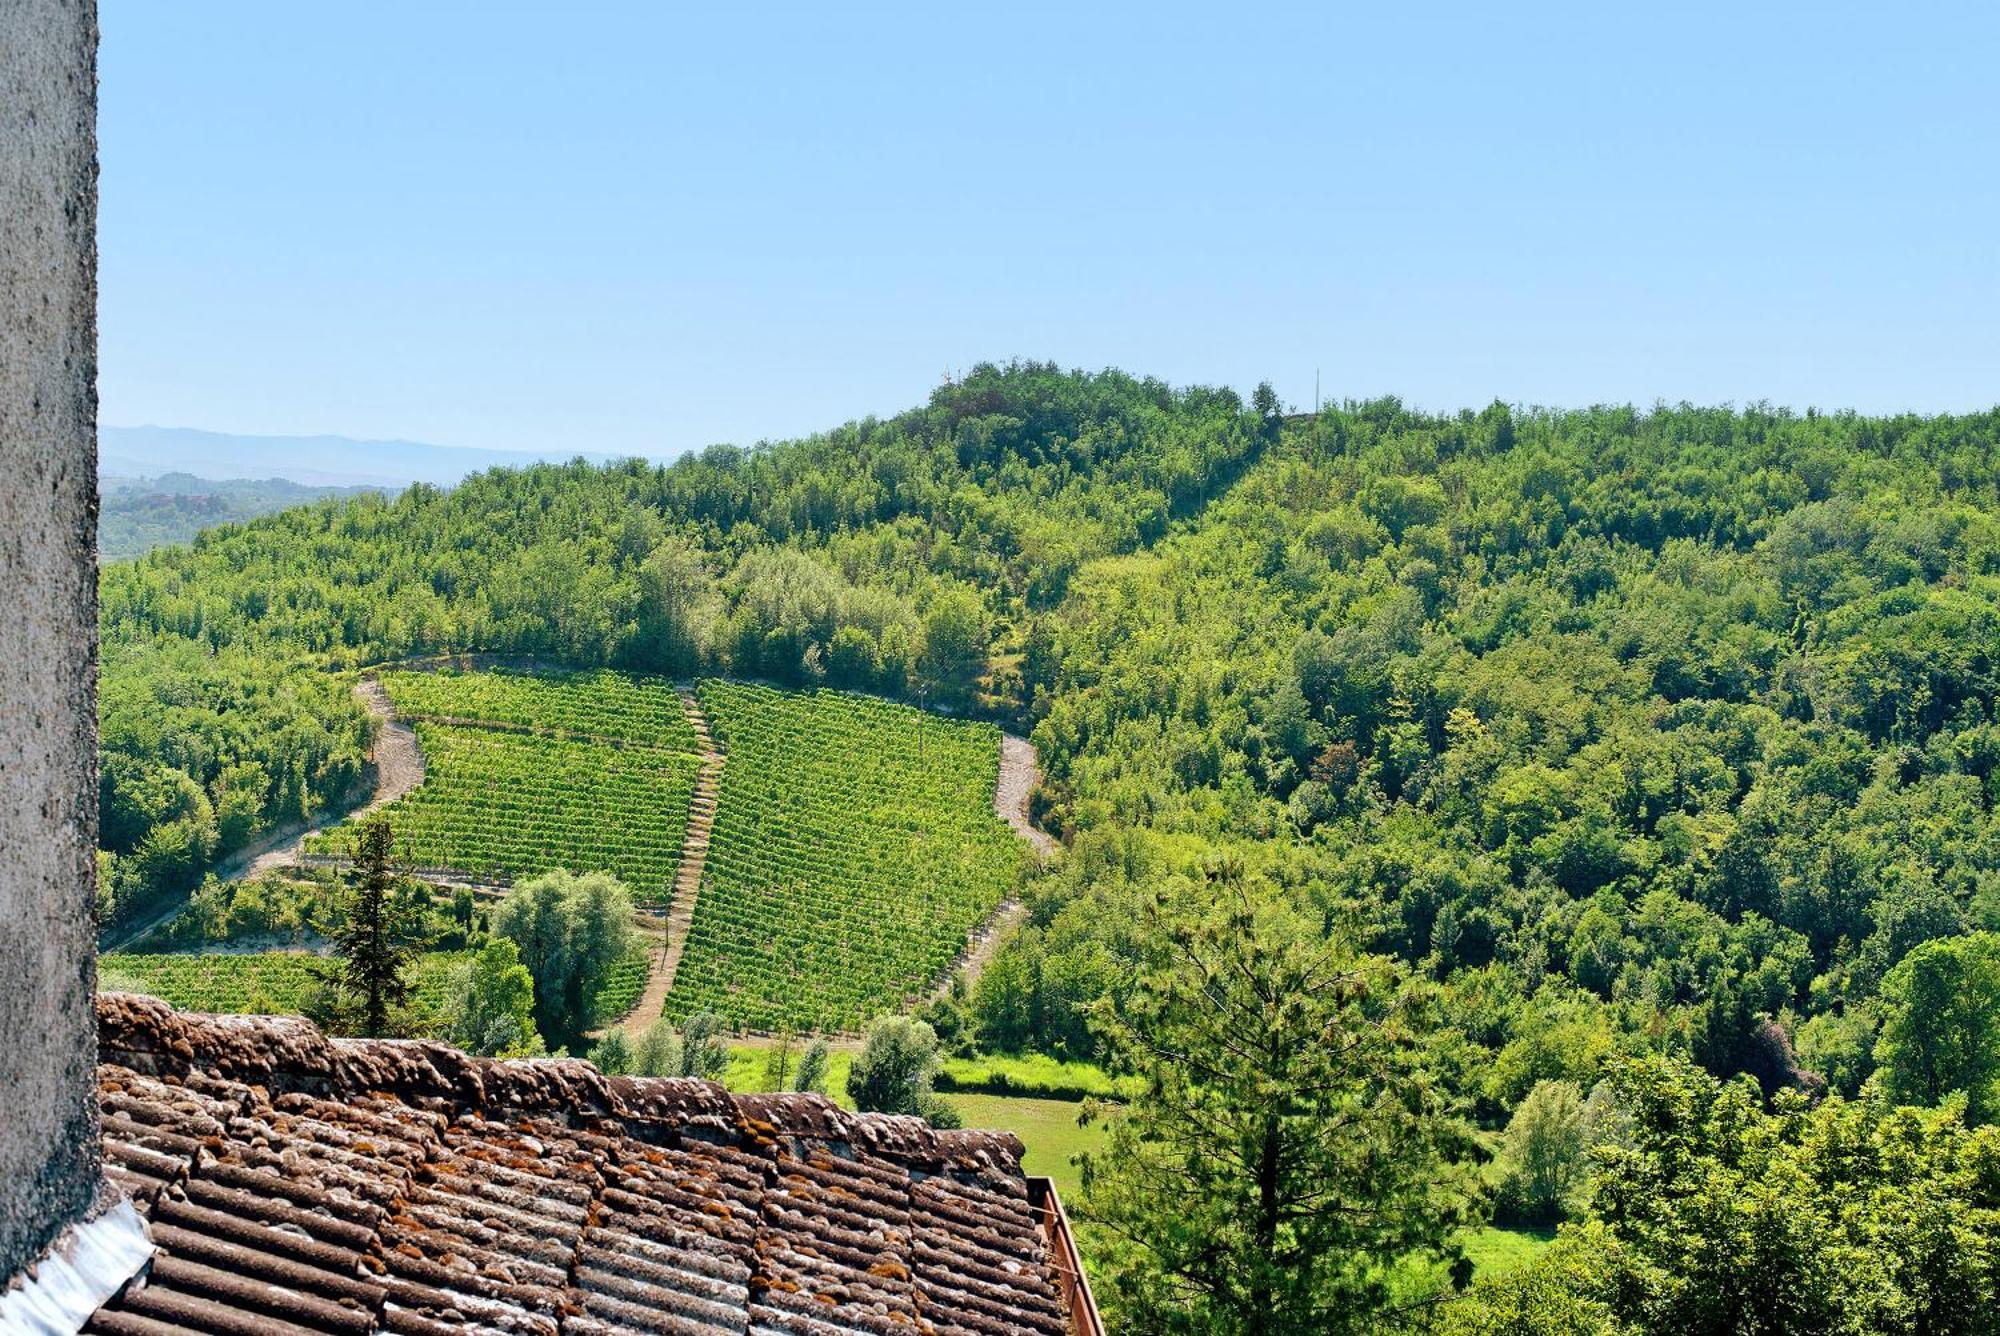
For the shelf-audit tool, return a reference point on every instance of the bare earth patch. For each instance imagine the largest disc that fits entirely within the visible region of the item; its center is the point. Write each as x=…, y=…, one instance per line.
x=1018, y=773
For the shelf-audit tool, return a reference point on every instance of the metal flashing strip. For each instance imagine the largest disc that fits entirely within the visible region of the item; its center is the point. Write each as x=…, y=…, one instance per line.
x=87, y=1264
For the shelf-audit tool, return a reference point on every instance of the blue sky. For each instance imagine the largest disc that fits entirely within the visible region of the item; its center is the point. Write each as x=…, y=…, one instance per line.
x=649, y=227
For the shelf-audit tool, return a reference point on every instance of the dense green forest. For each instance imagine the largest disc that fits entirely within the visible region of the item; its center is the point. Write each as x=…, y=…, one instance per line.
x=1605, y=752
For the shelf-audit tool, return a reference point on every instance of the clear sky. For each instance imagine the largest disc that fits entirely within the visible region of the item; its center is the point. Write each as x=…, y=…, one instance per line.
x=645, y=227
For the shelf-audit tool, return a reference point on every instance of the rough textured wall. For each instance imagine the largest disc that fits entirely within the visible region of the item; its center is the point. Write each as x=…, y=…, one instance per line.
x=48, y=620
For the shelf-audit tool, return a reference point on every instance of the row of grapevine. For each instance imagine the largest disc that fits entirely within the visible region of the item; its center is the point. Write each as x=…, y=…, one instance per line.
x=599, y=704
x=260, y=983
x=855, y=845
x=498, y=804
x=279, y=982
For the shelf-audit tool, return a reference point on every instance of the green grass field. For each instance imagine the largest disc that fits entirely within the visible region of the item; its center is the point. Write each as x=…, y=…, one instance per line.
x=1047, y=1128
x=1031, y=1075
x=1496, y=1251
x=747, y=1064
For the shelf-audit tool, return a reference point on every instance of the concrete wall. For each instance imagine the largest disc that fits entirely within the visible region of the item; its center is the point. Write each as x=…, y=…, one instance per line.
x=48, y=620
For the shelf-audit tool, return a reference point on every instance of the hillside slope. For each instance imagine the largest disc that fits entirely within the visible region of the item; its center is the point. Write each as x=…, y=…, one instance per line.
x=905, y=556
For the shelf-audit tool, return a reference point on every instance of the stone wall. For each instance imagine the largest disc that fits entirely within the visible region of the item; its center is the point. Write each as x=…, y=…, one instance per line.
x=48, y=621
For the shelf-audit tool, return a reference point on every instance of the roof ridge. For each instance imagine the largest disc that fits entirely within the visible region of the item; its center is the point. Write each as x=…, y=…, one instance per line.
x=295, y=1181
x=290, y=1053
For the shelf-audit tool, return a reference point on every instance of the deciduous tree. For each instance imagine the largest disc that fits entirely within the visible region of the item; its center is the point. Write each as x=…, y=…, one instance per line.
x=491, y=1003
x=570, y=931
x=1941, y=1033
x=893, y=1071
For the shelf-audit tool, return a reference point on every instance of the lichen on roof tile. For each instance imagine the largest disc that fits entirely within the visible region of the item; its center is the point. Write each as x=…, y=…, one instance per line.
x=300, y=1183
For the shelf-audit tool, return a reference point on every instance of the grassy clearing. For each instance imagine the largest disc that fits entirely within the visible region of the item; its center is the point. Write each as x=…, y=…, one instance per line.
x=1496, y=1251
x=1047, y=1128
x=1035, y=1076
x=745, y=1074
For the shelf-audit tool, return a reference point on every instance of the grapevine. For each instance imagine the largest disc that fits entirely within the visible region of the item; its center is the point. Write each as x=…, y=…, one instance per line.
x=855, y=845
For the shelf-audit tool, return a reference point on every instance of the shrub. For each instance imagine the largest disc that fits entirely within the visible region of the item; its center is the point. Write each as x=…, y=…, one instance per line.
x=812, y=1067
x=894, y=1071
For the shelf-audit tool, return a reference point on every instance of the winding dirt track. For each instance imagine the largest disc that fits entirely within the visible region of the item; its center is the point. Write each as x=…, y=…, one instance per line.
x=395, y=766
x=1018, y=773
x=398, y=767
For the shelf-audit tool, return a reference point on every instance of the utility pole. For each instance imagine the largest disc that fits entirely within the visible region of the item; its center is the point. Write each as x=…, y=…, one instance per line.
x=1316, y=409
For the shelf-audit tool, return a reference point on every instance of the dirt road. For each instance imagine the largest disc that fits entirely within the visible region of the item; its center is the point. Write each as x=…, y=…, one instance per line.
x=395, y=766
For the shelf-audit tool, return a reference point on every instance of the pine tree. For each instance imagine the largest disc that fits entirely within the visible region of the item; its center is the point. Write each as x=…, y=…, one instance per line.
x=374, y=944
x=1287, y=1151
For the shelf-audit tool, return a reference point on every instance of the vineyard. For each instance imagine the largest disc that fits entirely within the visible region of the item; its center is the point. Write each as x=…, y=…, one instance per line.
x=279, y=982
x=262, y=983
x=502, y=805
x=854, y=842
x=855, y=846
x=604, y=705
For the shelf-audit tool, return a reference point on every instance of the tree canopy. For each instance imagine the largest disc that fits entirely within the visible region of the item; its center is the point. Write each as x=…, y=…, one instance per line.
x=570, y=930
x=1290, y=1148
x=1631, y=737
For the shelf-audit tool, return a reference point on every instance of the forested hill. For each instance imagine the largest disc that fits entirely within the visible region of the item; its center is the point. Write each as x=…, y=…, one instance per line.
x=1602, y=735
x=902, y=556
x=1691, y=711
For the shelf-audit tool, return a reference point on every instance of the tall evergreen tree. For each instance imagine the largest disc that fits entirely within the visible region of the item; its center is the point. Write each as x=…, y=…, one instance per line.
x=1287, y=1149
x=374, y=944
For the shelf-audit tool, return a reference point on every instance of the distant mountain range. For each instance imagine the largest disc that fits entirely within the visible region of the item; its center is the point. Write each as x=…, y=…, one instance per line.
x=319, y=461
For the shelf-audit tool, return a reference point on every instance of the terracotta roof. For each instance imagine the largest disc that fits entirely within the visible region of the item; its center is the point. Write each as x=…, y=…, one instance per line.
x=297, y=1183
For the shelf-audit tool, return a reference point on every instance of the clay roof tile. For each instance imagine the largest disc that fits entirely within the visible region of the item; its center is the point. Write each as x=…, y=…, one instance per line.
x=297, y=1183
